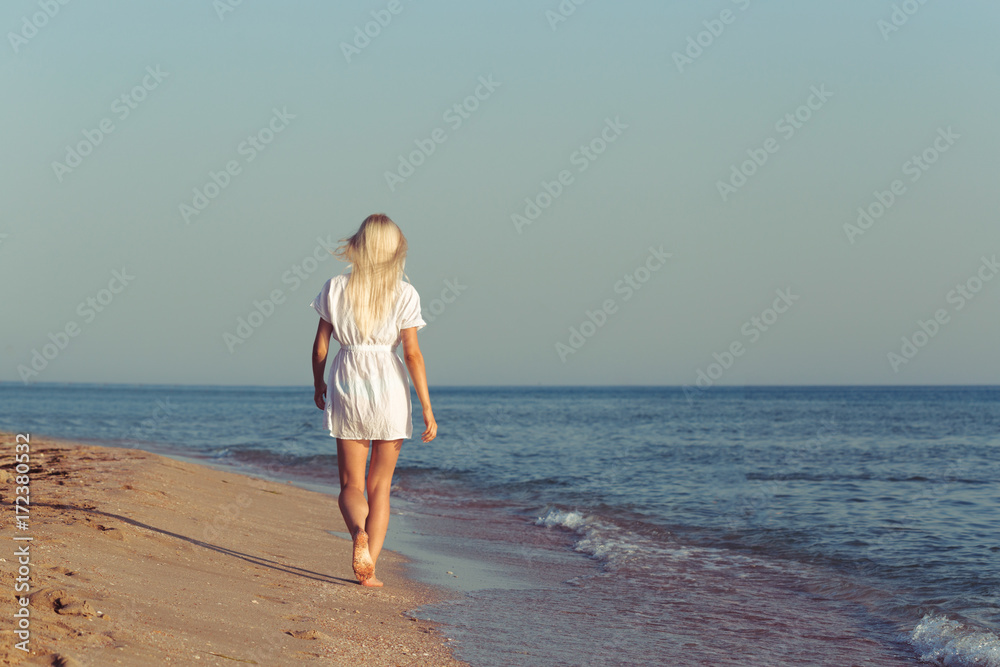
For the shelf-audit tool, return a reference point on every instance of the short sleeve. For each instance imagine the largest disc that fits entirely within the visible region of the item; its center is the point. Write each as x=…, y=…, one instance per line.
x=322, y=301
x=409, y=312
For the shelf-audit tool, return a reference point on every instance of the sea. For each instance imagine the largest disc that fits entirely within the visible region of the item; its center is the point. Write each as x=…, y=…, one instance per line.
x=642, y=525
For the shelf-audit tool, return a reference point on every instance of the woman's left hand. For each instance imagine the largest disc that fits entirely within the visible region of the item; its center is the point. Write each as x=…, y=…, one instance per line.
x=320, y=396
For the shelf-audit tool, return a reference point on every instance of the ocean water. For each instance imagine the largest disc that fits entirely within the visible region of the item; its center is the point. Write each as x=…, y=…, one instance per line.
x=643, y=525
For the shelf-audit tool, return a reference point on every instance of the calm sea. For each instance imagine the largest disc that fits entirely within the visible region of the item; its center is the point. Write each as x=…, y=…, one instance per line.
x=640, y=525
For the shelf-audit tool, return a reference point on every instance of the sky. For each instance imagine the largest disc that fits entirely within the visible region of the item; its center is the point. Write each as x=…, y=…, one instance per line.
x=731, y=192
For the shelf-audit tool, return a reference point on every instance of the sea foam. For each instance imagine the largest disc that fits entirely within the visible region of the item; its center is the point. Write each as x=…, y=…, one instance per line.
x=943, y=641
x=598, y=538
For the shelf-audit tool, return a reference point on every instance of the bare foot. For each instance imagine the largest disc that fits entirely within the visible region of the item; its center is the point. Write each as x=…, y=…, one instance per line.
x=371, y=581
x=364, y=567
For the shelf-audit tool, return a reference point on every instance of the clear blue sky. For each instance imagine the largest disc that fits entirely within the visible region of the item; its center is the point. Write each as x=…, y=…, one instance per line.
x=879, y=96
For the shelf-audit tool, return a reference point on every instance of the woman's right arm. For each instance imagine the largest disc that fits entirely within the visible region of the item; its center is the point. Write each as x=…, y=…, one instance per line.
x=320, y=347
x=415, y=364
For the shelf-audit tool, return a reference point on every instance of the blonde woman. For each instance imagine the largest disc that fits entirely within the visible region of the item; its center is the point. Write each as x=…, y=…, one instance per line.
x=367, y=399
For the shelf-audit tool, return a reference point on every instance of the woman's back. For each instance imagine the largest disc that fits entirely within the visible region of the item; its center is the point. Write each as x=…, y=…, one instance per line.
x=333, y=306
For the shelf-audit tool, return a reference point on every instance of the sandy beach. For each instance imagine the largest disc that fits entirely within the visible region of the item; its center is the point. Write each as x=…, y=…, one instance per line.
x=141, y=559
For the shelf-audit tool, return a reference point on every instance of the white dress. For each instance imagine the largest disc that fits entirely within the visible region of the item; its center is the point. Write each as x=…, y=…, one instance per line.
x=368, y=389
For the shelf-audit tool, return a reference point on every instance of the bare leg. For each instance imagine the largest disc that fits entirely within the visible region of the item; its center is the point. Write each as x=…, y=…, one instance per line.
x=352, y=455
x=385, y=453
x=351, y=458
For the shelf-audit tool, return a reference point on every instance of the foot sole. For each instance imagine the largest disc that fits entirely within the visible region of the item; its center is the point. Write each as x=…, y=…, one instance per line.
x=364, y=568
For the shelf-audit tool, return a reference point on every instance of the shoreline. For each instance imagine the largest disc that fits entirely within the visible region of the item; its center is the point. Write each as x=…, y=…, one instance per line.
x=138, y=558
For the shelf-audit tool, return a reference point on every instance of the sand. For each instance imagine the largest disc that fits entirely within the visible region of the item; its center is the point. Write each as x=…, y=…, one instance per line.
x=141, y=559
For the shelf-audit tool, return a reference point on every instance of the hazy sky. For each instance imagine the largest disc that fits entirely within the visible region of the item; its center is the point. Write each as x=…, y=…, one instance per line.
x=205, y=150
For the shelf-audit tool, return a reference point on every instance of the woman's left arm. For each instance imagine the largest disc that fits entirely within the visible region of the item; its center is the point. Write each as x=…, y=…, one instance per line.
x=320, y=347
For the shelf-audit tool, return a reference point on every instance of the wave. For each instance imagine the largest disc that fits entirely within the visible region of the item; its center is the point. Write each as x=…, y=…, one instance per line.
x=834, y=477
x=271, y=460
x=599, y=538
x=943, y=641
x=617, y=546
x=324, y=465
x=656, y=554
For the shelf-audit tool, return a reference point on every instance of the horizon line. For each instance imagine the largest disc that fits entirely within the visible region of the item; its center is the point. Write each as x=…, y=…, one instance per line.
x=8, y=383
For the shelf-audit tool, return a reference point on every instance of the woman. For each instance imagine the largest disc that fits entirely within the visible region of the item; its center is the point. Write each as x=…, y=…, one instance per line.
x=369, y=311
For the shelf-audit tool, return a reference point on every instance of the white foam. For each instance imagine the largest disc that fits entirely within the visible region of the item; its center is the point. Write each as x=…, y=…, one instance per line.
x=943, y=641
x=617, y=546
x=603, y=540
x=571, y=520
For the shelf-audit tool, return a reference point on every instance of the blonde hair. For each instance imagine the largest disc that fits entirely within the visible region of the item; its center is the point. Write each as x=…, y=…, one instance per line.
x=377, y=255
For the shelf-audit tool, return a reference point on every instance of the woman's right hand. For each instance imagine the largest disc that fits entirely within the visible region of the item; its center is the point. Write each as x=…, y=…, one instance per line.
x=431, y=427
x=320, y=396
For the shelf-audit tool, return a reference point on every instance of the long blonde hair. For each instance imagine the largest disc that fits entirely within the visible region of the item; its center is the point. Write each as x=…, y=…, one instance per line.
x=377, y=255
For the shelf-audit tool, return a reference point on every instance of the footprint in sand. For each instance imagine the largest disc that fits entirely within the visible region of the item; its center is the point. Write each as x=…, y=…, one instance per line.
x=112, y=532
x=74, y=607
x=307, y=634
x=60, y=602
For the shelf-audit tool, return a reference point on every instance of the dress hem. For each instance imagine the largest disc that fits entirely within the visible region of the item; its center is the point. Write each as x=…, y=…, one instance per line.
x=398, y=437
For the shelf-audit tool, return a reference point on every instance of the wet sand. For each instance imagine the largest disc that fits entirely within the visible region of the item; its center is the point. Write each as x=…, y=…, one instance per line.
x=140, y=559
